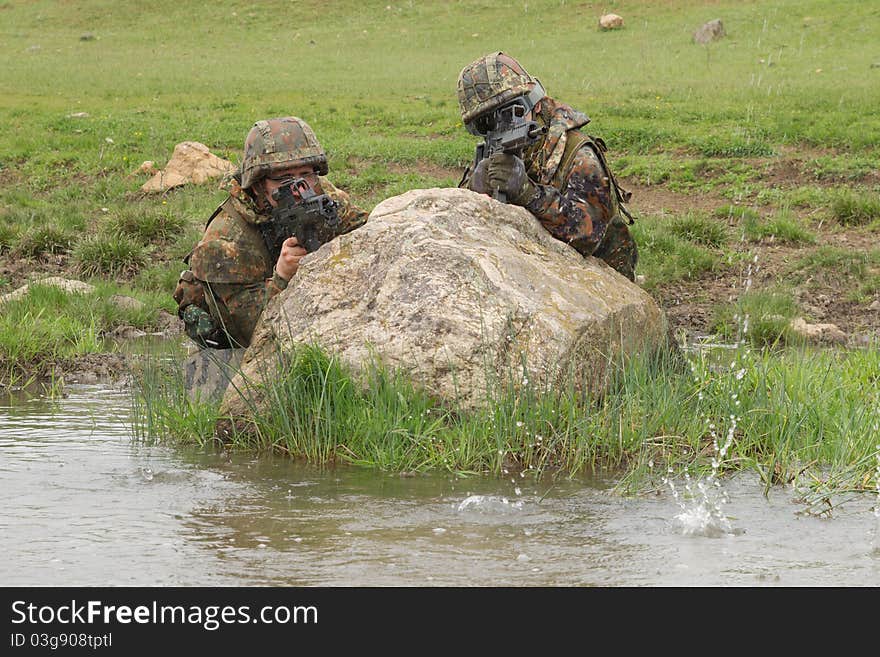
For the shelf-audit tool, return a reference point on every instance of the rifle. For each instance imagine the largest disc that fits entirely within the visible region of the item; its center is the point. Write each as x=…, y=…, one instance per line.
x=312, y=218
x=508, y=132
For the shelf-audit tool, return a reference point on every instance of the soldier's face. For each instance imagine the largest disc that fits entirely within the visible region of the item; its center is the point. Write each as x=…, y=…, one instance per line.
x=269, y=185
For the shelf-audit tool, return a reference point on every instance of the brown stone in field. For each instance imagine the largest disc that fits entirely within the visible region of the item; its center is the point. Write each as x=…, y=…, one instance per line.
x=610, y=22
x=191, y=162
x=820, y=333
x=711, y=31
x=148, y=167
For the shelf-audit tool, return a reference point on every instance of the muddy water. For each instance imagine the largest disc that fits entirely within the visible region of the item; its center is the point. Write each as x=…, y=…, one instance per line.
x=82, y=504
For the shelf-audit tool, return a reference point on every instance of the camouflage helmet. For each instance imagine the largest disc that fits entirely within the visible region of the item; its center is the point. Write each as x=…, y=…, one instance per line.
x=275, y=144
x=492, y=81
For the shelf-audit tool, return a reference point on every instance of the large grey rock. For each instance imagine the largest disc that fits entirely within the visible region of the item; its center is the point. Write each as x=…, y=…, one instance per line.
x=455, y=288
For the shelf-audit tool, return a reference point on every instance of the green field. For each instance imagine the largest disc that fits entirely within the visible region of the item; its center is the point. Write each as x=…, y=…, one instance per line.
x=760, y=147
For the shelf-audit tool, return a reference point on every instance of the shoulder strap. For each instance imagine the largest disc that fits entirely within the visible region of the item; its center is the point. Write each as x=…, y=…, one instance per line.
x=216, y=212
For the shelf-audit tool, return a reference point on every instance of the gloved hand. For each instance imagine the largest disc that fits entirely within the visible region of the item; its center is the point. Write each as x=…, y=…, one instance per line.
x=479, y=181
x=507, y=174
x=198, y=323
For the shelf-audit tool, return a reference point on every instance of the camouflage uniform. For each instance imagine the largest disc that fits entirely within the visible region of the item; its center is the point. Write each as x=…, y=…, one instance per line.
x=232, y=274
x=576, y=197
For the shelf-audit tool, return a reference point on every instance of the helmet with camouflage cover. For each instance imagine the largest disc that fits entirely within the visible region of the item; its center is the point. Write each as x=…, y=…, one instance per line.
x=492, y=81
x=274, y=144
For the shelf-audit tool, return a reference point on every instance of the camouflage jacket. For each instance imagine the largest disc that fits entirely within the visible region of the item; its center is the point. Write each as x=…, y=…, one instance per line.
x=232, y=274
x=576, y=198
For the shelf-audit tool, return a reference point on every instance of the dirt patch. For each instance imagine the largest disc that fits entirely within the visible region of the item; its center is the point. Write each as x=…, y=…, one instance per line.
x=690, y=304
x=94, y=368
x=427, y=169
x=10, y=178
x=15, y=272
x=784, y=173
x=787, y=171
x=655, y=199
x=421, y=167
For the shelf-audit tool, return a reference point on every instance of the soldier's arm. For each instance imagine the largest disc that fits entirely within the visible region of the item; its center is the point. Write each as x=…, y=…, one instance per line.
x=579, y=213
x=349, y=214
x=229, y=265
x=237, y=307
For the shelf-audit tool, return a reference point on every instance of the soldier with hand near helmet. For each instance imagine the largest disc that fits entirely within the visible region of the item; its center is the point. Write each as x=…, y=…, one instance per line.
x=238, y=265
x=562, y=177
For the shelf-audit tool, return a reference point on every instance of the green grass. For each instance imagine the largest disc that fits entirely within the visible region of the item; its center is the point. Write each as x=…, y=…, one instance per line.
x=109, y=255
x=852, y=208
x=146, y=223
x=724, y=146
x=673, y=249
x=8, y=237
x=834, y=264
x=761, y=317
x=48, y=327
x=33, y=340
x=857, y=272
x=160, y=278
x=735, y=214
x=810, y=416
x=784, y=227
x=700, y=230
x=43, y=240
x=800, y=196
x=375, y=102
x=843, y=168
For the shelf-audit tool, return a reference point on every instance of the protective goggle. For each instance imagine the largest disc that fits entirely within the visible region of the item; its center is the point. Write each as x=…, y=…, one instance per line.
x=519, y=107
x=297, y=187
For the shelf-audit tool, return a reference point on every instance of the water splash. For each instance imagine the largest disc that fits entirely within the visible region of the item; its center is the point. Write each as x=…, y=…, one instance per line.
x=702, y=508
x=488, y=503
x=702, y=502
